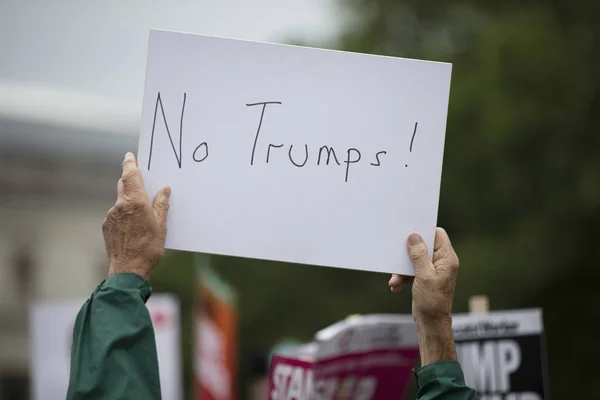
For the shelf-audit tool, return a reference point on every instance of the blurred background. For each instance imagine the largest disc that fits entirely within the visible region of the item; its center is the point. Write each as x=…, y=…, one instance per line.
x=520, y=190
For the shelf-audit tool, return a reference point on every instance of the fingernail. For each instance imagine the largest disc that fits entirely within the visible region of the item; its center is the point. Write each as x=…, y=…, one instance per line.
x=167, y=191
x=414, y=239
x=128, y=155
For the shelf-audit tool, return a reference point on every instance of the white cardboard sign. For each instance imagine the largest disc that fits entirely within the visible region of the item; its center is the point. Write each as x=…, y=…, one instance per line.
x=291, y=153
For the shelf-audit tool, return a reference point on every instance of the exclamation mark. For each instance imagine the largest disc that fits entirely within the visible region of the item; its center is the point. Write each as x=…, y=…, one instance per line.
x=412, y=140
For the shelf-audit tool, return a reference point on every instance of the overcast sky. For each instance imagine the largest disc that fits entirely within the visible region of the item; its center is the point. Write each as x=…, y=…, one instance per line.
x=99, y=46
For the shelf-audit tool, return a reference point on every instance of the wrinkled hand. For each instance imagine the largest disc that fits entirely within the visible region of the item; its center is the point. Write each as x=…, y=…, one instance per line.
x=135, y=231
x=434, y=282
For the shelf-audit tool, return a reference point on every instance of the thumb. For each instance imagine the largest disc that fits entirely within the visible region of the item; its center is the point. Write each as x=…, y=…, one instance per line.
x=161, y=207
x=418, y=253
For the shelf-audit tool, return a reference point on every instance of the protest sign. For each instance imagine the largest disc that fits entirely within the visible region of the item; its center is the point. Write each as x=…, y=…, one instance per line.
x=216, y=335
x=503, y=354
x=364, y=358
x=164, y=311
x=291, y=153
x=52, y=335
x=291, y=377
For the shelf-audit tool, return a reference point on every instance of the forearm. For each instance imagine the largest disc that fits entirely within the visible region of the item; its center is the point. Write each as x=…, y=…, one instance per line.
x=113, y=353
x=440, y=376
x=435, y=341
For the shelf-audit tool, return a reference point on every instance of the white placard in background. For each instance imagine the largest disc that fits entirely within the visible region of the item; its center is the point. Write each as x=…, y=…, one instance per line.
x=291, y=153
x=52, y=333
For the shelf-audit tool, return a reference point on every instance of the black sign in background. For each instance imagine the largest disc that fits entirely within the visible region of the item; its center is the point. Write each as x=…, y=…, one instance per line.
x=531, y=375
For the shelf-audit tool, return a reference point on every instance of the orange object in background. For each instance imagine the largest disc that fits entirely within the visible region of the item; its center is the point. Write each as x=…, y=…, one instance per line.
x=216, y=336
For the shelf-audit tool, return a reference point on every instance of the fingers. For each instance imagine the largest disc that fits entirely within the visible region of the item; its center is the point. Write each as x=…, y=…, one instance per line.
x=417, y=250
x=441, y=239
x=444, y=256
x=161, y=207
x=442, y=245
x=120, y=190
x=131, y=177
x=397, y=282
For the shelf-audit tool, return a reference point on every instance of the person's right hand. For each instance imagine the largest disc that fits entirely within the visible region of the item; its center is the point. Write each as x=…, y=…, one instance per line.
x=434, y=282
x=135, y=231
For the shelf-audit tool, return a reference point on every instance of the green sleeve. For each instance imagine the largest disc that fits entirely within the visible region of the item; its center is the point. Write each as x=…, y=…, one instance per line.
x=113, y=355
x=443, y=381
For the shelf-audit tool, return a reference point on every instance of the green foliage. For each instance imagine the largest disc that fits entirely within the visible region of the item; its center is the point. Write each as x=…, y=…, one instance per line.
x=520, y=190
x=276, y=301
x=521, y=182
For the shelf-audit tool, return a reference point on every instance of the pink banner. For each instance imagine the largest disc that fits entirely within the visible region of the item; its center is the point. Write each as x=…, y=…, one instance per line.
x=367, y=357
x=370, y=375
x=290, y=378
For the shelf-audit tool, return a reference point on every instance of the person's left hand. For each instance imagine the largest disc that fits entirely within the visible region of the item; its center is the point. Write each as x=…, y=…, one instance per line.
x=134, y=230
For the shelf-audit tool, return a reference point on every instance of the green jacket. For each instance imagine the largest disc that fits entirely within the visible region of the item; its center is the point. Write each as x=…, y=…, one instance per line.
x=443, y=381
x=114, y=352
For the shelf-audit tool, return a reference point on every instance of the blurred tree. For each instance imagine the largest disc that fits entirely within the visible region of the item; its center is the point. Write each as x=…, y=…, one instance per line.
x=520, y=190
x=521, y=186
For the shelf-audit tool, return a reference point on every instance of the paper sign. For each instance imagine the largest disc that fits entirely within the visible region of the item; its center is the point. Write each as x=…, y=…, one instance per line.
x=292, y=378
x=291, y=153
x=164, y=311
x=52, y=335
x=503, y=354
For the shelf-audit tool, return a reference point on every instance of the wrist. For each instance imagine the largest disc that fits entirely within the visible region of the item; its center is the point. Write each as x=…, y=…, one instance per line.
x=436, y=342
x=137, y=267
x=438, y=322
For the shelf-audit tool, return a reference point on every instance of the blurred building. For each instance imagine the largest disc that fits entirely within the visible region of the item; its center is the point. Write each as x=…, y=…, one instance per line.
x=71, y=82
x=60, y=155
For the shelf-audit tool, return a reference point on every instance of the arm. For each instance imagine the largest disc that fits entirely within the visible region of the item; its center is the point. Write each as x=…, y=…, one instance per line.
x=114, y=352
x=440, y=377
